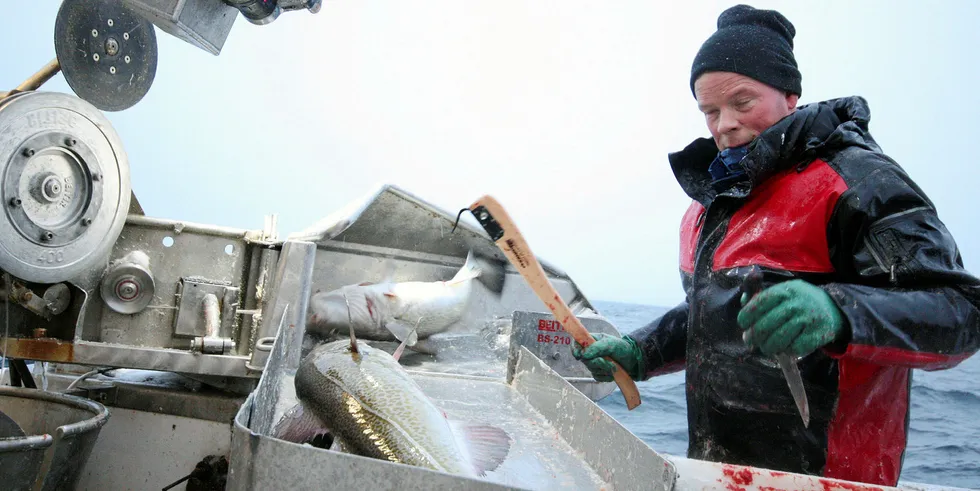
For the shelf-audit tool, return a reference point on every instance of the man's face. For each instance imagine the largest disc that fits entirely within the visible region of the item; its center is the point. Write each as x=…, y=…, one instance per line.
x=738, y=108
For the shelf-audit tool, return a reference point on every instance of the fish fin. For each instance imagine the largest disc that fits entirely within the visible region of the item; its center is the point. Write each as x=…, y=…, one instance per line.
x=401, y=349
x=338, y=446
x=365, y=283
x=403, y=332
x=298, y=425
x=488, y=271
x=424, y=346
x=411, y=335
x=388, y=272
x=391, y=295
x=486, y=445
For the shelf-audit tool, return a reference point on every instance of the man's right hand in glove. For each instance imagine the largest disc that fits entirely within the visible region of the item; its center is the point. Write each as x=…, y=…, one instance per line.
x=624, y=350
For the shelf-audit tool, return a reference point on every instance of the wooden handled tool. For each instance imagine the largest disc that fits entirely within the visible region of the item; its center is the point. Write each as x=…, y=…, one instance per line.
x=505, y=234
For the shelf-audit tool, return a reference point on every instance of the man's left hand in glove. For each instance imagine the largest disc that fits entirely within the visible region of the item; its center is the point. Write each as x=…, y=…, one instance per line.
x=793, y=317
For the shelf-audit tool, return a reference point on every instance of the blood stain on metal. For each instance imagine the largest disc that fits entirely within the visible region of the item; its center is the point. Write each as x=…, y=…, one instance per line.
x=738, y=476
x=846, y=486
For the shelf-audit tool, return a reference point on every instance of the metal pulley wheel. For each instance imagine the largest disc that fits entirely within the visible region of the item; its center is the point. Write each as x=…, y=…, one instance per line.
x=128, y=286
x=107, y=53
x=64, y=186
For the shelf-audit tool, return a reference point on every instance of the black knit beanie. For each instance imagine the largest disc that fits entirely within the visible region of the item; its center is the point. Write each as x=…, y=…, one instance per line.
x=752, y=42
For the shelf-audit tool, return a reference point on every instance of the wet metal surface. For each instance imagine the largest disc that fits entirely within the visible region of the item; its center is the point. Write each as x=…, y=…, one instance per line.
x=560, y=438
x=539, y=457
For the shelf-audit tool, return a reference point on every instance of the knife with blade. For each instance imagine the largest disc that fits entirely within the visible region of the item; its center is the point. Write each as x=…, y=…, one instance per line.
x=751, y=285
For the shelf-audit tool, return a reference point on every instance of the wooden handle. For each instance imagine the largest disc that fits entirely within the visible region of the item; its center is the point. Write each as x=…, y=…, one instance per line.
x=503, y=231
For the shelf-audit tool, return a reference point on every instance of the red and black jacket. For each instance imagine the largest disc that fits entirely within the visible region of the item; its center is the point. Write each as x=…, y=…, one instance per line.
x=821, y=203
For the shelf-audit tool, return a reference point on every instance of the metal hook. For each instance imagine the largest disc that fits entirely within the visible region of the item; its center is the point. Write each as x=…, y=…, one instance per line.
x=350, y=326
x=457, y=219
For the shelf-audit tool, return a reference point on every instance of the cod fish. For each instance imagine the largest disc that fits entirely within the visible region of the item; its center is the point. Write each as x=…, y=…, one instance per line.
x=363, y=398
x=405, y=311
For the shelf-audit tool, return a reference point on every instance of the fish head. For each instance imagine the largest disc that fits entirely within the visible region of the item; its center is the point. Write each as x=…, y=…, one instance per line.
x=338, y=353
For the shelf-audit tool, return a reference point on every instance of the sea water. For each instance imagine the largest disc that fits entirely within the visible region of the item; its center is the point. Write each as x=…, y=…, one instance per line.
x=944, y=430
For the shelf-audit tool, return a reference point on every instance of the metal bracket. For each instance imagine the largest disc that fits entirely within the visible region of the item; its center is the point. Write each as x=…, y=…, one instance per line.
x=190, y=320
x=542, y=335
x=54, y=301
x=102, y=395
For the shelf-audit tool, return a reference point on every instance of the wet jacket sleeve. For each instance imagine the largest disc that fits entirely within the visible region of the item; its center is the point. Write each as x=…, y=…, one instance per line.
x=663, y=342
x=904, y=292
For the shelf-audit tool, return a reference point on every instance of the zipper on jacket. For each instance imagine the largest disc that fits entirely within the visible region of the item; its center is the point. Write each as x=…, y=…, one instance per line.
x=896, y=262
x=874, y=254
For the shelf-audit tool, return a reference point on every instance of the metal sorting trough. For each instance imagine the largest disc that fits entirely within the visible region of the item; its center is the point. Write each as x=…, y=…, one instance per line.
x=483, y=372
x=56, y=433
x=561, y=438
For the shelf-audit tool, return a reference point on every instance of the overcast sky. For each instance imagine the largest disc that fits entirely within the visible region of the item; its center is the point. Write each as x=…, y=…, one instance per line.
x=564, y=110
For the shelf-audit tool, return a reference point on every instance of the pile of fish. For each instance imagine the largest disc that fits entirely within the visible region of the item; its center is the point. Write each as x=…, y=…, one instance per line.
x=358, y=399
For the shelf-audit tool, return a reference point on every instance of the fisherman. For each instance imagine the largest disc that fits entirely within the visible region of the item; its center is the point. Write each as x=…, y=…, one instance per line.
x=861, y=278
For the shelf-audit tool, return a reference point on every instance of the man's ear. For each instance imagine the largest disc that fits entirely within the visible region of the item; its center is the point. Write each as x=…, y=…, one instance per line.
x=791, y=101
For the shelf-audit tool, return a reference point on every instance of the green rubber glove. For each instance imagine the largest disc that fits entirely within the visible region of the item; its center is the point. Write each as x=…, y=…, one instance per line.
x=624, y=350
x=792, y=317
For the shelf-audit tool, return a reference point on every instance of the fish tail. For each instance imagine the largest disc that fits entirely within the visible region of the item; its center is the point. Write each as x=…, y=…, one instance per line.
x=486, y=446
x=488, y=271
x=298, y=425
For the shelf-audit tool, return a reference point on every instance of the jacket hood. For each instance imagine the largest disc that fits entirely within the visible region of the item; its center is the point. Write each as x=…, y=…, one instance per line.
x=813, y=129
